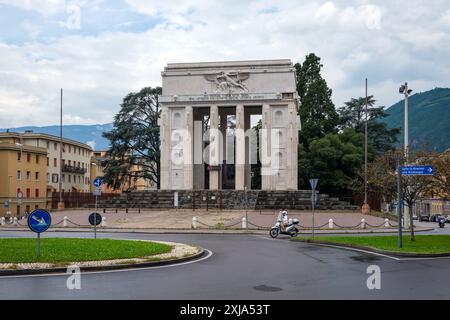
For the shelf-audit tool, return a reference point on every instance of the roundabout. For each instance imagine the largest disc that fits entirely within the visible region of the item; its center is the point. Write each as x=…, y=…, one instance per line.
x=236, y=267
x=17, y=256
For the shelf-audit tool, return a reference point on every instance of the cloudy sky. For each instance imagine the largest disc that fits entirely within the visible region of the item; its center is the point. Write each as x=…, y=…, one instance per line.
x=99, y=50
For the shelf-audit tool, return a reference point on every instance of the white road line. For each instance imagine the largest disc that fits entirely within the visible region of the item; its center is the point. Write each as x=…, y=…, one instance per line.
x=112, y=271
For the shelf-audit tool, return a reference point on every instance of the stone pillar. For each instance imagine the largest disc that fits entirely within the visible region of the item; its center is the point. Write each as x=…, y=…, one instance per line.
x=266, y=174
x=240, y=148
x=292, y=147
x=214, y=147
x=248, y=170
x=165, y=148
x=188, y=150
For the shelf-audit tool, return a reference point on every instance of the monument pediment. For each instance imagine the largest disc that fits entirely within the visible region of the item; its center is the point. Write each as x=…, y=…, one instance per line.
x=228, y=81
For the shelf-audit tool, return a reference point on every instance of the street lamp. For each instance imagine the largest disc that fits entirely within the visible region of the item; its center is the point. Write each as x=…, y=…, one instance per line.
x=406, y=91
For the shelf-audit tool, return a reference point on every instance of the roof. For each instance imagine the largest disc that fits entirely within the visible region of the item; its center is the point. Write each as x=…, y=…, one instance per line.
x=45, y=136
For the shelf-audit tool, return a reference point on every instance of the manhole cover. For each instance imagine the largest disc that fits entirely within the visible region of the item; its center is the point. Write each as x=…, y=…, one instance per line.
x=267, y=288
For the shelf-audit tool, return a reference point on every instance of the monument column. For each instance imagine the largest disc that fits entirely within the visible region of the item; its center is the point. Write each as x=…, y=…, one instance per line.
x=188, y=150
x=266, y=172
x=240, y=148
x=292, y=147
x=165, y=148
x=214, y=145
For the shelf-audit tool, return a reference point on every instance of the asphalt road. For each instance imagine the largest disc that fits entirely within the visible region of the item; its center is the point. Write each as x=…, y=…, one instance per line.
x=245, y=267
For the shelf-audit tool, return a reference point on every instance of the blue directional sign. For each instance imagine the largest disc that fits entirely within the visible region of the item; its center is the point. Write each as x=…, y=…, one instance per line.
x=417, y=170
x=97, y=182
x=39, y=220
x=6, y=204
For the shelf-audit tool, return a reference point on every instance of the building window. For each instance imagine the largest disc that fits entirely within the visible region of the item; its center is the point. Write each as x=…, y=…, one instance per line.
x=36, y=207
x=18, y=156
x=48, y=144
x=48, y=161
x=19, y=175
x=28, y=175
x=63, y=162
x=55, y=146
x=28, y=157
x=70, y=178
x=70, y=163
x=37, y=159
x=55, y=178
x=28, y=192
x=36, y=193
x=36, y=175
x=63, y=179
x=55, y=162
x=48, y=177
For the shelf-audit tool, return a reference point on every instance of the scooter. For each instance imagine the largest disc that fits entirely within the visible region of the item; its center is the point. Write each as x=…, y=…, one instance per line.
x=289, y=229
x=441, y=222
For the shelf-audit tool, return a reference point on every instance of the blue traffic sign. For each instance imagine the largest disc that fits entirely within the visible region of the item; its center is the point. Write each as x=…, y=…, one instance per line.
x=39, y=221
x=97, y=182
x=6, y=204
x=417, y=170
x=313, y=183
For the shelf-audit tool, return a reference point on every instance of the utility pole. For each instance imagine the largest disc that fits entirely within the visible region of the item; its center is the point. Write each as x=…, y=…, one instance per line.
x=365, y=208
x=61, y=202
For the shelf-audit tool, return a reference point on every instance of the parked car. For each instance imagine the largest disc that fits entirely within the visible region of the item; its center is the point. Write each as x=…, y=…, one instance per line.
x=424, y=217
x=436, y=217
x=415, y=217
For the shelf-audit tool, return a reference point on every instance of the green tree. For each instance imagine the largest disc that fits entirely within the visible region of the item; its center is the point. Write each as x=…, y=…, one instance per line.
x=353, y=115
x=316, y=110
x=334, y=159
x=134, y=140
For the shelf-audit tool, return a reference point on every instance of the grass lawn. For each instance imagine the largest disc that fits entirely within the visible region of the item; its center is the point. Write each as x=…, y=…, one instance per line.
x=74, y=250
x=423, y=243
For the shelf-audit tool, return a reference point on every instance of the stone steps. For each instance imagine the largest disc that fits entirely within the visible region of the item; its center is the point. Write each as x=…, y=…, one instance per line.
x=226, y=199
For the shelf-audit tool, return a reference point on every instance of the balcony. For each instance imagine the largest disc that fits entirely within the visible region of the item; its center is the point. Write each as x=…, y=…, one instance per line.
x=73, y=169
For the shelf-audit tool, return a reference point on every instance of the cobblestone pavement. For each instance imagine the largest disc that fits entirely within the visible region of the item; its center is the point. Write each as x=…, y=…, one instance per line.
x=182, y=219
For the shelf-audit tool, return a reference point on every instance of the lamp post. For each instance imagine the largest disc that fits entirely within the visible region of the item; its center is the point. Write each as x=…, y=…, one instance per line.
x=21, y=174
x=61, y=202
x=365, y=207
x=406, y=91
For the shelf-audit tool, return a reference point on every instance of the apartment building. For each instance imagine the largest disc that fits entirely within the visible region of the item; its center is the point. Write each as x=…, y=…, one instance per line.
x=22, y=168
x=76, y=160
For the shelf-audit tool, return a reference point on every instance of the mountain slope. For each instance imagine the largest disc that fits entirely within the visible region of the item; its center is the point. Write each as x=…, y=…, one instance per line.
x=429, y=119
x=89, y=134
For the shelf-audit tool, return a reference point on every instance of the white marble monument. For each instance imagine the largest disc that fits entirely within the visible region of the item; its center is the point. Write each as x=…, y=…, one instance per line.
x=206, y=135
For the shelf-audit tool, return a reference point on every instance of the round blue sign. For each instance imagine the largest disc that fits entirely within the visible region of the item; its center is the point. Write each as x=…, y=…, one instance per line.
x=97, y=182
x=39, y=220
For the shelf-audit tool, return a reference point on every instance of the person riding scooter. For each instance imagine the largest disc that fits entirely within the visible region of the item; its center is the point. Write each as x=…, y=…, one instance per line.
x=284, y=226
x=283, y=219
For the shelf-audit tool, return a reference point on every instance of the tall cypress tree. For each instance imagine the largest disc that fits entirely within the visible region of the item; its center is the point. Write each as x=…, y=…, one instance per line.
x=317, y=112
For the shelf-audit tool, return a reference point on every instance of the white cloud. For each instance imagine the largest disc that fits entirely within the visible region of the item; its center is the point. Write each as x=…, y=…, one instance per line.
x=355, y=39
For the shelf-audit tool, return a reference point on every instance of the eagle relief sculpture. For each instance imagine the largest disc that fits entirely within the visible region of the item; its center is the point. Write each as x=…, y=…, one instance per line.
x=228, y=82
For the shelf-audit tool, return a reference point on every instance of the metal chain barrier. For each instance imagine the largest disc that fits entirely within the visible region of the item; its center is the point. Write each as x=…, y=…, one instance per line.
x=372, y=226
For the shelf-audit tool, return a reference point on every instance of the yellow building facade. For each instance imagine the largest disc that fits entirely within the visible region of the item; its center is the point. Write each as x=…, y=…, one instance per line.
x=22, y=170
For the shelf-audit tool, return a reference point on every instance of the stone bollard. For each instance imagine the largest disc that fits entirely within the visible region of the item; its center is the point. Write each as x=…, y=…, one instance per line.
x=103, y=221
x=330, y=224
x=2, y=221
x=386, y=223
x=65, y=221
x=194, y=222
x=363, y=223
x=15, y=223
x=244, y=223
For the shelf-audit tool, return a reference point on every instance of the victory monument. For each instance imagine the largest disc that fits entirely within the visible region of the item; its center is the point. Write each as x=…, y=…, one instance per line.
x=207, y=141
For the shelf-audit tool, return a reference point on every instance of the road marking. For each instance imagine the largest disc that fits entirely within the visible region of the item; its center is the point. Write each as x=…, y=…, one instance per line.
x=210, y=253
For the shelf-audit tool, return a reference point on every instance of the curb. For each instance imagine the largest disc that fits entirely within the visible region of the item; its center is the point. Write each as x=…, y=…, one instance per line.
x=379, y=251
x=58, y=270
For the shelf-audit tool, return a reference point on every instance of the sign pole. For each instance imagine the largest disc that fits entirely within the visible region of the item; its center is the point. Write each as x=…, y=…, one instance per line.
x=399, y=205
x=313, y=207
x=39, y=244
x=95, y=218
